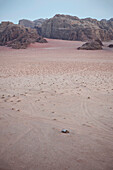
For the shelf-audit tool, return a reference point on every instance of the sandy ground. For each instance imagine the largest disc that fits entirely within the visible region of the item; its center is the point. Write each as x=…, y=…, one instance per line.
x=48, y=87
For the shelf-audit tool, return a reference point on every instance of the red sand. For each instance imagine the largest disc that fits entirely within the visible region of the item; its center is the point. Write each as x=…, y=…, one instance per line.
x=48, y=87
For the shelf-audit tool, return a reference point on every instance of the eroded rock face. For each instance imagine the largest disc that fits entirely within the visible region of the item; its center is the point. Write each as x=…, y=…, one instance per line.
x=17, y=36
x=39, y=22
x=26, y=23
x=92, y=45
x=32, y=24
x=68, y=27
x=72, y=28
x=36, y=24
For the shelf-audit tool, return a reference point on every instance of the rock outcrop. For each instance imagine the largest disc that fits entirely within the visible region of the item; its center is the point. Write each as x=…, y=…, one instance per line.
x=92, y=45
x=17, y=36
x=72, y=28
x=27, y=23
x=32, y=24
x=68, y=27
x=36, y=24
x=110, y=45
x=39, y=22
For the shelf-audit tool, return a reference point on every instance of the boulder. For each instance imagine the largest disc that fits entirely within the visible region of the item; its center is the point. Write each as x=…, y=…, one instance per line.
x=92, y=45
x=110, y=46
x=41, y=40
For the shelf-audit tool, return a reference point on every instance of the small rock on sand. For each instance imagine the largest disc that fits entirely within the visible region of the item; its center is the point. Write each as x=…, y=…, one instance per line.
x=65, y=131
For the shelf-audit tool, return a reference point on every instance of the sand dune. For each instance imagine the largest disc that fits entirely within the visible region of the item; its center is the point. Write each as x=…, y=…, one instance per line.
x=48, y=87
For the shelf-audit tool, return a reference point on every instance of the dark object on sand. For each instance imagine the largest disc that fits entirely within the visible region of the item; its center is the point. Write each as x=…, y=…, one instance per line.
x=110, y=46
x=65, y=131
x=92, y=45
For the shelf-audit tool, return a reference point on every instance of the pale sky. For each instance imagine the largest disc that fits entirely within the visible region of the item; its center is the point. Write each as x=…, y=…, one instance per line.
x=14, y=10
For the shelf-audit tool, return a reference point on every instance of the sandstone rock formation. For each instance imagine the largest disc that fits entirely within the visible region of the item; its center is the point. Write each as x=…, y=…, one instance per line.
x=72, y=28
x=32, y=24
x=68, y=27
x=92, y=45
x=37, y=24
x=17, y=36
x=27, y=23
x=99, y=41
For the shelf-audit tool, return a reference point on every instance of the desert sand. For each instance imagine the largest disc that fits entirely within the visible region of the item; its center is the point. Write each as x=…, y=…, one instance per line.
x=46, y=88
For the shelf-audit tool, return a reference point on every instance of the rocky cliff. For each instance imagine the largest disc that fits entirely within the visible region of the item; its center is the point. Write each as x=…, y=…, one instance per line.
x=72, y=28
x=17, y=36
x=32, y=24
x=26, y=23
x=36, y=24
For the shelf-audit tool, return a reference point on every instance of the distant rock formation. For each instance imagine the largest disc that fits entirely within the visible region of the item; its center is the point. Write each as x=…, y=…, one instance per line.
x=27, y=23
x=32, y=24
x=36, y=24
x=72, y=28
x=92, y=45
x=17, y=36
x=39, y=22
x=68, y=27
